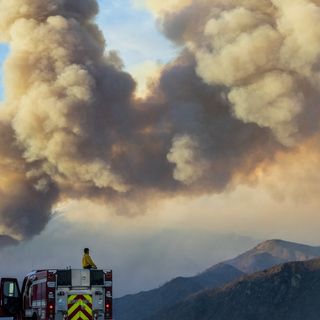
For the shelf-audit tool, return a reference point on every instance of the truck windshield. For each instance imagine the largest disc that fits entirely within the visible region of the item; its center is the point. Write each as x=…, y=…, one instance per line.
x=10, y=289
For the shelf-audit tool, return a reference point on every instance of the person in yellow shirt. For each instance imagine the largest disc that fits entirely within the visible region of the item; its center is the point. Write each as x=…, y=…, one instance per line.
x=87, y=262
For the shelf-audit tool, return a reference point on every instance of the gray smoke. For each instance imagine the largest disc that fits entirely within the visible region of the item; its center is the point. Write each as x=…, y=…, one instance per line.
x=71, y=128
x=265, y=53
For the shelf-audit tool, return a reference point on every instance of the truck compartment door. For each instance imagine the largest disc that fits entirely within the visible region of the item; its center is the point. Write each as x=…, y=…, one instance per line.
x=10, y=298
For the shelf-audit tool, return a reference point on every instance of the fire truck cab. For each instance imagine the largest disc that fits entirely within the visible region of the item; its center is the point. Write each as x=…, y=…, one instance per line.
x=10, y=297
x=71, y=294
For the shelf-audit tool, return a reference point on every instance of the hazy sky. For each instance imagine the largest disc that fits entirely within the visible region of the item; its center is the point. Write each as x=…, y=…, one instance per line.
x=188, y=232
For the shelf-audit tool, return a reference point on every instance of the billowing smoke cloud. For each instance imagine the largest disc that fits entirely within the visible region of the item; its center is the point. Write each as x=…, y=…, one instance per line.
x=7, y=241
x=243, y=88
x=266, y=53
x=159, y=7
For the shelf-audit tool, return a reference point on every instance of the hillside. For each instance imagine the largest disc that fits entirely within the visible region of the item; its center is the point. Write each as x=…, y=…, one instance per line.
x=145, y=304
x=263, y=256
x=289, y=291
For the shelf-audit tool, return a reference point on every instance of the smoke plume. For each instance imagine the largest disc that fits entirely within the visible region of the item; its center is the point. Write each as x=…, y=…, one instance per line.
x=244, y=87
x=265, y=53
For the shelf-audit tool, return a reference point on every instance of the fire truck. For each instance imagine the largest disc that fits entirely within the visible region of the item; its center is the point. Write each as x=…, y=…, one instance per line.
x=69, y=294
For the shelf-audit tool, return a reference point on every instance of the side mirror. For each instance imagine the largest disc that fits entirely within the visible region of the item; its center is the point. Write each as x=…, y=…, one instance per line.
x=10, y=298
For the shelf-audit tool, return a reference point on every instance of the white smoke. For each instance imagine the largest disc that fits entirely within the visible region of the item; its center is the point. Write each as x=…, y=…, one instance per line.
x=265, y=52
x=245, y=85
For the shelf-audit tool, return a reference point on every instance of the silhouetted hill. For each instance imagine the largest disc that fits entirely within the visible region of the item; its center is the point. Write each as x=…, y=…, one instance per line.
x=144, y=304
x=289, y=291
x=273, y=252
x=263, y=256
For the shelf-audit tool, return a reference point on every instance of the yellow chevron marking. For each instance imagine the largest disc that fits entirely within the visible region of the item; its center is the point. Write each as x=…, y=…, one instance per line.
x=80, y=315
x=87, y=308
x=74, y=307
x=88, y=297
x=71, y=298
x=75, y=303
x=83, y=316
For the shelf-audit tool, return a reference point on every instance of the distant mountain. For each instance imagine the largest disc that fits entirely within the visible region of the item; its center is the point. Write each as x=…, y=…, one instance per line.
x=289, y=291
x=144, y=304
x=273, y=252
x=265, y=255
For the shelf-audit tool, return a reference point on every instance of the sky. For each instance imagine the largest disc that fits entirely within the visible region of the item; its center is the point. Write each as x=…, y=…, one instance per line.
x=241, y=156
x=3, y=55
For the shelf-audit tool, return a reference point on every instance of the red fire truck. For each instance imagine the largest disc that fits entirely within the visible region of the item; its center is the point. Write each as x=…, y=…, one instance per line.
x=69, y=294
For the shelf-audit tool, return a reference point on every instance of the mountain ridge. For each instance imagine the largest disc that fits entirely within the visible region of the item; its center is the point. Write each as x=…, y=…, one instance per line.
x=263, y=256
x=147, y=302
x=289, y=291
x=272, y=252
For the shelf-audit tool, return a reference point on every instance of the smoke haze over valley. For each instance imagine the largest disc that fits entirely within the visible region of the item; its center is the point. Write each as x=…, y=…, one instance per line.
x=165, y=135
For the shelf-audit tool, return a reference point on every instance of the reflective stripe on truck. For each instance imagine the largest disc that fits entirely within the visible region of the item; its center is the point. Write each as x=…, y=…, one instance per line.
x=80, y=307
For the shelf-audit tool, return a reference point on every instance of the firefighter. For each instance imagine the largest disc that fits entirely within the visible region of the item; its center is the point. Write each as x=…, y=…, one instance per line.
x=87, y=262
